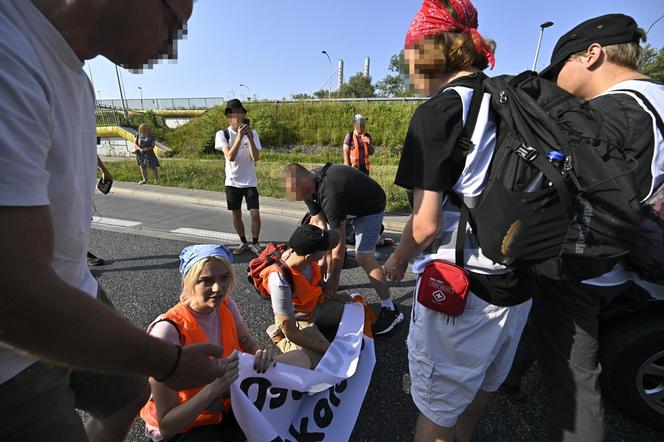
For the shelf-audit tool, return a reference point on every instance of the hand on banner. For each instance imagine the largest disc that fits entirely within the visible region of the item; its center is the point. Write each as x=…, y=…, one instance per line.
x=220, y=385
x=263, y=360
x=195, y=366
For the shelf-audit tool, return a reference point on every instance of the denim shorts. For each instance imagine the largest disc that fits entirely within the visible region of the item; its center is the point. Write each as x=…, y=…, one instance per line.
x=367, y=231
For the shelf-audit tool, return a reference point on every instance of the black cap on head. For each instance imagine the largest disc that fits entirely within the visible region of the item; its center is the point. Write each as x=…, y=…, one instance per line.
x=234, y=105
x=308, y=239
x=611, y=29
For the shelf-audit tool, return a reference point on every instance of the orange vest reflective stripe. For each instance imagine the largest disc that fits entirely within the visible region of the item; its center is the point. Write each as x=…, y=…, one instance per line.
x=191, y=333
x=305, y=295
x=355, y=151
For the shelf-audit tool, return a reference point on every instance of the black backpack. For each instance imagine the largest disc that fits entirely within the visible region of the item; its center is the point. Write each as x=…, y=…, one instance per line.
x=578, y=226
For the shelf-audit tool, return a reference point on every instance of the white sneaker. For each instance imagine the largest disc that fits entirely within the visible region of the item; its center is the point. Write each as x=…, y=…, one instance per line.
x=256, y=248
x=141, y=182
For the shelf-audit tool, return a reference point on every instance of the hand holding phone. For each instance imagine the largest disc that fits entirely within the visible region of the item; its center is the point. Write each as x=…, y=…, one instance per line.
x=104, y=186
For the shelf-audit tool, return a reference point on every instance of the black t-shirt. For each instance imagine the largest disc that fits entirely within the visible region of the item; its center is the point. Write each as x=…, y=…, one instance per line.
x=345, y=191
x=433, y=134
x=626, y=125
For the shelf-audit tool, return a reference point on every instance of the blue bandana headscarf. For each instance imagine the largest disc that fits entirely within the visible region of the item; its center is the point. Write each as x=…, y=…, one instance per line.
x=192, y=254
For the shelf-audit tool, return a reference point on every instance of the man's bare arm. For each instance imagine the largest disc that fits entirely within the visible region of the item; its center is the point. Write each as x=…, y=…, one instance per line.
x=35, y=302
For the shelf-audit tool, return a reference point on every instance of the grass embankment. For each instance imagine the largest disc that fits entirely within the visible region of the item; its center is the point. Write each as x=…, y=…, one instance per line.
x=208, y=173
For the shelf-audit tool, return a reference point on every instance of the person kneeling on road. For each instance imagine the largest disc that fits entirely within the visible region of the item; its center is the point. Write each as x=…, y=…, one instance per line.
x=296, y=292
x=332, y=193
x=204, y=314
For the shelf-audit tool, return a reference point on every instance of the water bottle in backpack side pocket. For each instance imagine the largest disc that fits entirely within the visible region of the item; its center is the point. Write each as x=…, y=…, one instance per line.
x=539, y=181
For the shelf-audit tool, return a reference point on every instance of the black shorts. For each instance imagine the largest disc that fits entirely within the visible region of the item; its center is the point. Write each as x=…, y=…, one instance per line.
x=234, y=197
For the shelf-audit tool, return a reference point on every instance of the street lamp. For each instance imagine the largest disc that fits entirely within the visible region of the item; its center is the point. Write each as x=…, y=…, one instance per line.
x=329, y=79
x=122, y=98
x=140, y=89
x=543, y=26
x=248, y=91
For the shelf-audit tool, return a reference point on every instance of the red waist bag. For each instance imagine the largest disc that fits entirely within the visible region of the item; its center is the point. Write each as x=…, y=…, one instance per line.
x=443, y=287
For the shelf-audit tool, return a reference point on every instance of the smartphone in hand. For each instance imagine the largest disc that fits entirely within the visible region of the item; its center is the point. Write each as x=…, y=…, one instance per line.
x=104, y=186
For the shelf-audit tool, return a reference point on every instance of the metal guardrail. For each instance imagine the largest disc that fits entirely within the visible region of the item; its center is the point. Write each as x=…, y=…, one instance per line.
x=108, y=115
x=210, y=102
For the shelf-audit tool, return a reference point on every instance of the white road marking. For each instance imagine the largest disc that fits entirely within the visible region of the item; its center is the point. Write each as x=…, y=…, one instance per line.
x=115, y=221
x=207, y=234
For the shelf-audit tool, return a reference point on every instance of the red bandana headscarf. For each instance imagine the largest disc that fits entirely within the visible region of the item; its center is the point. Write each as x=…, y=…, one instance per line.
x=433, y=19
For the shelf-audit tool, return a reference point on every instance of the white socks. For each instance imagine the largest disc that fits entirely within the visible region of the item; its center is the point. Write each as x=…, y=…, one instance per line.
x=387, y=303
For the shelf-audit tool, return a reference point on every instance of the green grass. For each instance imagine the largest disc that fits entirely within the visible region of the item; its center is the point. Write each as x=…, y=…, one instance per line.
x=208, y=173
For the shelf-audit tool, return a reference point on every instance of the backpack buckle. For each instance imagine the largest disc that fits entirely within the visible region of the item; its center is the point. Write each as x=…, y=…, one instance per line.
x=526, y=152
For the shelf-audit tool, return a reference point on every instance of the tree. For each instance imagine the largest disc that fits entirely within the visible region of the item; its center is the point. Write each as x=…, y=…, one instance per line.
x=323, y=93
x=653, y=63
x=393, y=85
x=301, y=96
x=358, y=86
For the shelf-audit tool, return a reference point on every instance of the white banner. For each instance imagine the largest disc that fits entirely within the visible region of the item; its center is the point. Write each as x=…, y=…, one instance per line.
x=294, y=404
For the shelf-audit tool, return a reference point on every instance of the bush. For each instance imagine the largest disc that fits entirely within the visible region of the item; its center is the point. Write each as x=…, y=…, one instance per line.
x=300, y=123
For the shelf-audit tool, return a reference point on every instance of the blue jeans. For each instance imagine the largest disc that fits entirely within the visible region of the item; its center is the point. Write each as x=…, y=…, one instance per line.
x=367, y=231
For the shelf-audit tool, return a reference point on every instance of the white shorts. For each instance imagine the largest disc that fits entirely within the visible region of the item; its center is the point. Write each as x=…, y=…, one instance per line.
x=450, y=359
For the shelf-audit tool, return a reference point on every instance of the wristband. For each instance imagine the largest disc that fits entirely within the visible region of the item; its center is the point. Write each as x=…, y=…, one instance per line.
x=175, y=366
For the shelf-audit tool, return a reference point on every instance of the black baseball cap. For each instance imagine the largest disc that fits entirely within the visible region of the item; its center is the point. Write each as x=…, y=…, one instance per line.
x=610, y=29
x=234, y=105
x=309, y=239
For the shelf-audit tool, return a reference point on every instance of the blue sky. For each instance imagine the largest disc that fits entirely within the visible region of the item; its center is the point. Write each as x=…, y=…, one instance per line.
x=274, y=47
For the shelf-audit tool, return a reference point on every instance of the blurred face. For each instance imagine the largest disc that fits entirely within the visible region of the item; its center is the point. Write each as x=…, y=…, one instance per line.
x=296, y=189
x=422, y=76
x=211, y=287
x=135, y=34
x=360, y=127
x=236, y=118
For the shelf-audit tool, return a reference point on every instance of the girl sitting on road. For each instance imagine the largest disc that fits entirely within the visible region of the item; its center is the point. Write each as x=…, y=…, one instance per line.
x=205, y=314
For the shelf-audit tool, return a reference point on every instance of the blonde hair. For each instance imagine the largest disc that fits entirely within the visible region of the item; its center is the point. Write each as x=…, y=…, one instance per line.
x=190, y=279
x=143, y=126
x=628, y=55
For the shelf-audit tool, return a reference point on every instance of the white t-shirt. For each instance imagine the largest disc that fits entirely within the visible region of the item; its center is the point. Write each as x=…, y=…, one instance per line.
x=242, y=171
x=47, y=143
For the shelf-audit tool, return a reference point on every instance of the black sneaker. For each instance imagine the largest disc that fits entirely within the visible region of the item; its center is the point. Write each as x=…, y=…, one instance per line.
x=387, y=320
x=94, y=260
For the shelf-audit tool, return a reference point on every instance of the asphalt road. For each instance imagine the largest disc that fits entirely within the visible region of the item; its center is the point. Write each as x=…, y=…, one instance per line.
x=142, y=280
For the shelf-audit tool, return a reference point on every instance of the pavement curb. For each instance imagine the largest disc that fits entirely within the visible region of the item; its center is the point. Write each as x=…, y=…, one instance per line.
x=392, y=222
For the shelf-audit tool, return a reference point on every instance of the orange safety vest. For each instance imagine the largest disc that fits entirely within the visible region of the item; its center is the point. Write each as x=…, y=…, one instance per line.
x=191, y=333
x=355, y=160
x=305, y=295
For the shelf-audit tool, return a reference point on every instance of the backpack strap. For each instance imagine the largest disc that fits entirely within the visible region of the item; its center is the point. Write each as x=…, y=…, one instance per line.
x=227, y=135
x=286, y=271
x=459, y=158
x=324, y=171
